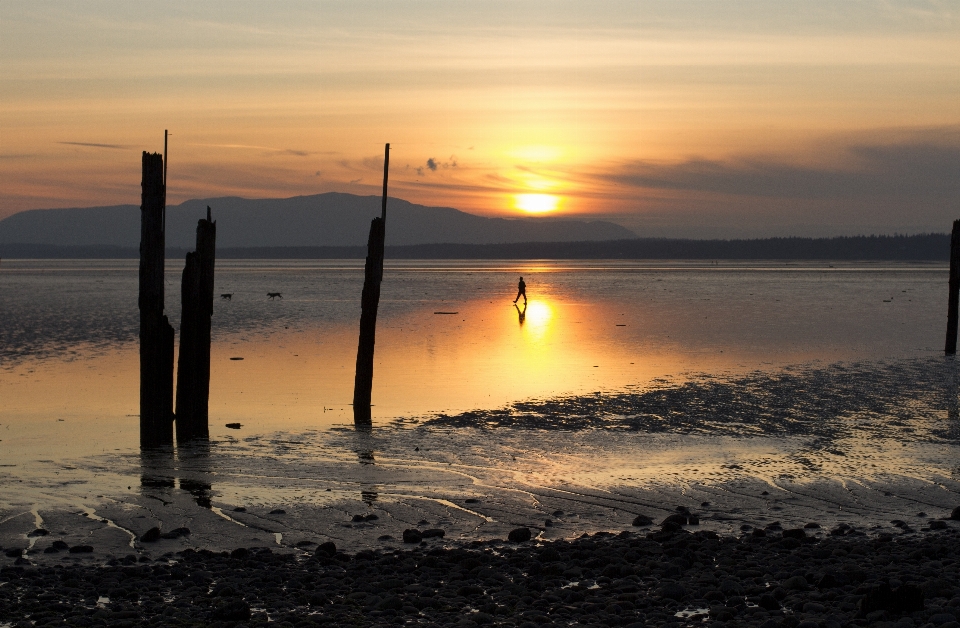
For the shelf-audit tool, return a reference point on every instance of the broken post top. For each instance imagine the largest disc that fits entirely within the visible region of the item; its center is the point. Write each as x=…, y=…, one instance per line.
x=208, y=214
x=152, y=182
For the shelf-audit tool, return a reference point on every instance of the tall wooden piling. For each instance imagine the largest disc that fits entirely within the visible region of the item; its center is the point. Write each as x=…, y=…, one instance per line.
x=950, y=348
x=193, y=370
x=156, y=334
x=369, y=303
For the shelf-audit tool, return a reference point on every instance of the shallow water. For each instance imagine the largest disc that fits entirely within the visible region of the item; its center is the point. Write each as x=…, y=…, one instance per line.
x=638, y=378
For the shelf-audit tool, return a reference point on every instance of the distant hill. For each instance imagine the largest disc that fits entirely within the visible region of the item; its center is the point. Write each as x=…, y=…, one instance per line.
x=933, y=247
x=330, y=219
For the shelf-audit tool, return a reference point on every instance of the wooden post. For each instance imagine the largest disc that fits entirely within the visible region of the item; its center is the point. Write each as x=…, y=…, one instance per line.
x=950, y=347
x=193, y=371
x=156, y=334
x=369, y=303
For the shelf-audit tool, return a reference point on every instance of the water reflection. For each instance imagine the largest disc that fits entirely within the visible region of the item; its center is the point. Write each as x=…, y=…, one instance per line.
x=157, y=469
x=194, y=470
x=522, y=314
x=187, y=468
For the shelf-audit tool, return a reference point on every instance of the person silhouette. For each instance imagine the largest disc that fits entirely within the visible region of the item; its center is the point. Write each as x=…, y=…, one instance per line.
x=521, y=291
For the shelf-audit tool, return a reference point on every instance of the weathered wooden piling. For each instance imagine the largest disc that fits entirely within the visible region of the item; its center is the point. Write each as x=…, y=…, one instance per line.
x=193, y=369
x=369, y=303
x=156, y=334
x=953, y=301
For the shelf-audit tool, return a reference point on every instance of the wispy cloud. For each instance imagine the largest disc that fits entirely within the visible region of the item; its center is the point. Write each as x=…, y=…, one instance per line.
x=95, y=145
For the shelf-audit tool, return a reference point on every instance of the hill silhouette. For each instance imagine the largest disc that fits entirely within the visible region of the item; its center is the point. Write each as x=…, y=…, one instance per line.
x=330, y=219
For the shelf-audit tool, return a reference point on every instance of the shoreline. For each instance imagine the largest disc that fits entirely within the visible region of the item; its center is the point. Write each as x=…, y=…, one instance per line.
x=795, y=578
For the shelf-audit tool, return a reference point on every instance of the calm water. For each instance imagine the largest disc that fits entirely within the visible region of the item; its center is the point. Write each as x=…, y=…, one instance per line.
x=684, y=380
x=68, y=345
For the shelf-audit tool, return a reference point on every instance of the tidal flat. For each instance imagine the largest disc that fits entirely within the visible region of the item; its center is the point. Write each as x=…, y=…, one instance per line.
x=749, y=399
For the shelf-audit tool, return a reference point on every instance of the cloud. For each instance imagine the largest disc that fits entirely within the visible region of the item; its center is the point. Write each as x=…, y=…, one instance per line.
x=920, y=170
x=93, y=145
x=433, y=165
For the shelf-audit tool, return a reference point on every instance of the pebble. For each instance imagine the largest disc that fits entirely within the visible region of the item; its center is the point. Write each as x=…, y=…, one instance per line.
x=634, y=578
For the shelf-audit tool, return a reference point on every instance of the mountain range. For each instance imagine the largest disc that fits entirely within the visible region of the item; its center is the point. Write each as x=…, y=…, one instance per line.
x=330, y=219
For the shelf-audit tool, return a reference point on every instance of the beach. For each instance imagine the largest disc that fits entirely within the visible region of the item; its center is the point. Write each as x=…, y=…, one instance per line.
x=774, y=415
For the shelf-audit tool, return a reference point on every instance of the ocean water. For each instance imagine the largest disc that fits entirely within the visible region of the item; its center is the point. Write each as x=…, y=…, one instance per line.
x=622, y=379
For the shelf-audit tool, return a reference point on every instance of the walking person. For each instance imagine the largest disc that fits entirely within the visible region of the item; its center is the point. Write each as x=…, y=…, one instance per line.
x=521, y=291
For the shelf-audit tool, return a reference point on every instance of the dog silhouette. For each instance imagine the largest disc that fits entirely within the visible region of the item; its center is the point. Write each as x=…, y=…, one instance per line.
x=273, y=295
x=227, y=297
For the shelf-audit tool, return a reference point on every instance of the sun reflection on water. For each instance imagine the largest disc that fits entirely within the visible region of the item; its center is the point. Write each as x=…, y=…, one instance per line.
x=537, y=315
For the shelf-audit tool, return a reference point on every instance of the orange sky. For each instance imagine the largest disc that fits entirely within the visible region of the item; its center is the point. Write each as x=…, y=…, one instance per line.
x=674, y=118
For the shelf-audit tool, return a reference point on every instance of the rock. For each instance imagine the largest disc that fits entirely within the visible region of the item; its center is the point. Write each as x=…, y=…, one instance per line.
x=51, y=550
x=795, y=533
x=433, y=533
x=955, y=514
x=672, y=591
x=13, y=553
x=768, y=602
x=305, y=543
x=795, y=583
x=278, y=511
x=150, y=536
x=371, y=518
x=39, y=532
x=906, y=598
x=60, y=545
x=671, y=526
x=730, y=588
x=471, y=500
x=938, y=525
x=234, y=426
x=548, y=523
x=759, y=532
x=240, y=552
x=326, y=549
x=81, y=549
x=642, y=520
x=557, y=513
x=678, y=519
x=391, y=603
x=358, y=518
x=176, y=533
x=411, y=535
x=812, y=526
x=231, y=610
x=239, y=509
x=519, y=535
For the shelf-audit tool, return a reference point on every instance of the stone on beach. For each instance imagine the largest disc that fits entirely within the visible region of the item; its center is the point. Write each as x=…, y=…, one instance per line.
x=519, y=535
x=411, y=535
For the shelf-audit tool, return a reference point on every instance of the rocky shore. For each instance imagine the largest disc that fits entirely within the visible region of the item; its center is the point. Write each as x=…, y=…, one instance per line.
x=671, y=575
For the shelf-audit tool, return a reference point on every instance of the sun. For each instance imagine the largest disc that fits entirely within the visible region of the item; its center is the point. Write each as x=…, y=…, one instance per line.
x=537, y=203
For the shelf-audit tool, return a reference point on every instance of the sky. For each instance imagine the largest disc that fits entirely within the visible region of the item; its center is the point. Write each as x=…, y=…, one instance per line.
x=674, y=118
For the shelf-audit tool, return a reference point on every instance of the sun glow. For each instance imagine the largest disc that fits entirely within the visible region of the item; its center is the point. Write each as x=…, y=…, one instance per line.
x=537, y=203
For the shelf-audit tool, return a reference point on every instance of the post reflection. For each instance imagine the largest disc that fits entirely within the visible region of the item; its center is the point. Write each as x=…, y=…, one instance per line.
x=157, y=469
x=194, y=470
x=188, y=467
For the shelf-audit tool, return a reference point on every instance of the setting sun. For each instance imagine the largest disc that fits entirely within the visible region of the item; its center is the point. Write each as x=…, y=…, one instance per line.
x=537, y=203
